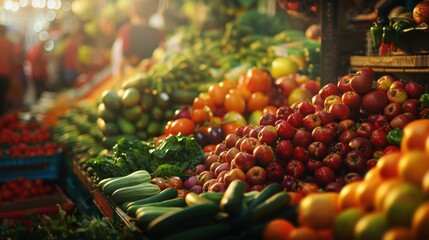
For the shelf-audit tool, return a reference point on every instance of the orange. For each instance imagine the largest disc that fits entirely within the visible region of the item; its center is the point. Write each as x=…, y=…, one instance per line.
x=230, y=127
x=383, y=189
x=257, y=101
x=318, y=211
x=303, y=233
x=347, y=196
x=398, y=233
x=234, y=102
x=420, y=222
x=365, y=193
x=228, y=84
x=258, y=80
x=415, y=134
x=413, y=166
x=277, y=229
x=373, y=174
x=185, y=126
x=201, y=115
x=244, y=92
x=388, y=164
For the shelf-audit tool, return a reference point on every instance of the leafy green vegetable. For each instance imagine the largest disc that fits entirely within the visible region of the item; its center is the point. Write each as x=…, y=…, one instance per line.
x=168, y=170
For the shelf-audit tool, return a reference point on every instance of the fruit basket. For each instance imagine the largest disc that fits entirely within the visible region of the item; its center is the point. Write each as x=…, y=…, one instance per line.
x=42, y=167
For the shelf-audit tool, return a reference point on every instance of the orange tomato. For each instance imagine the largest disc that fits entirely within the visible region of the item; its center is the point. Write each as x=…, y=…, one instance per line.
x=228, y=84
x=365, y=193
x=234, y=102
x=217, y=94
x=383, y=190
x=201, y=115
x=415, y=134
x=209, y=148
x=230, y=128
x=277, y=229
x=185, y=126
x=202, y=101
x=244, y=92
x=258, y=80
x=167, y=127
x=257, y=101
x=388, y=165
x=413, y=165
x=303, y=233
x=270, y=109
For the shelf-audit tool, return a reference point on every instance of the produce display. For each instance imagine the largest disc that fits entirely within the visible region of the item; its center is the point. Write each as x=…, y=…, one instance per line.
x=22, y=188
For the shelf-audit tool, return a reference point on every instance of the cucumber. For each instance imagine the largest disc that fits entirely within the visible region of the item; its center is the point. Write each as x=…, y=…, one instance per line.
x=165, y=194
x=137, y=177
x=103, y=182
x=212, y=231
x=144, y=208
x=232, y=200
x=175, y=202
x=184, y=219
x=274, y=204
x=193, y=199
x=134, y=193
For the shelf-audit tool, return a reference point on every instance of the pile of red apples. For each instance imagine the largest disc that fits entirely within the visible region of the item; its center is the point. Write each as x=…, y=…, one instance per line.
x=327, y=141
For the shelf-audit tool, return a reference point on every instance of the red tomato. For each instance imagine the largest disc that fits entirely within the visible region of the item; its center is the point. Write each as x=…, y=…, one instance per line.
x=175, y=182
x=181, y=193
x=160, y=182
x=308, y=188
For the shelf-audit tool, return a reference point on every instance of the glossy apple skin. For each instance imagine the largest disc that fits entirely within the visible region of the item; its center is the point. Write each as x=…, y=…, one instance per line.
x=343, y=84
x=328, y=90
x=284, y=150
x=256, y=175
x=392, y=110
x=317, y=150
x=414, y=90
x=285, y=130
x=275, y=171
x=398, y=95
x=384, y=82
x=362, y=80
x=352, y=100
x=295, y=168
x=323, y=176
x=323, y=134
x=339, y=111
x=302, y=138
x=311, y=121
x=263, y=154
x=355, y=161
x=374, y=102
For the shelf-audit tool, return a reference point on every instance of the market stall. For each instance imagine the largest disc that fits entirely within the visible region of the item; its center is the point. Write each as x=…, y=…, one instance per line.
x=233, y=129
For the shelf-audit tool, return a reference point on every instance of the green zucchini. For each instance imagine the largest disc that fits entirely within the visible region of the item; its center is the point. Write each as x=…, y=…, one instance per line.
x=135, y=192
x=264, y=194
x=193, y=199
x=270, y=207
x=186, y=218
x=165, y=194
x=143, y=218
x=213, y=196
x=232, y=200
x=212, y=231
x=104, y=181
x=137, y=177
x=175, y=202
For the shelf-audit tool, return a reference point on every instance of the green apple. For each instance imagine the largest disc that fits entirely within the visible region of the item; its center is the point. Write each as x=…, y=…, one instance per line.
x=254, y=117
x=281, y=66
x=235, y=116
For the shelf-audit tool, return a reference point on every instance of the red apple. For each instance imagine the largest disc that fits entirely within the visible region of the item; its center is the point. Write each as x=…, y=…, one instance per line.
x=286, y=84
x=371, y=163
x=325, y=117
x=230, y=154
x=247, y=129
x=283, y=112
x=311, y=121
x=323, y=134
x=255, y=131
x=362, y=144
x=323, y=176
x=317, y=150
x=231, y=140
x=397, y=84
x=317, y=100
x=392, y=110
x=220, y=176
x=355, y=161
x=382, y=122
x=206, y=185
x=239, y=131
x=412, y=106
x=339, y=111
x=333, y=187
x=249, y=144
x=295, y=168
x=331, y=99
x=263, y=154
x=372, y=118
x=217, y=187
x=300, y=153
x=343, y=84
x=256, y=175
x=341, y=148
x=313, y=164
x=333, y=160
x=335, y=127
x=351, y=177
x=374, y=102
x=424, y=113
x=221, y=168
x=257, y=188
x=384, y=82
x=210, y=159
x=347, y=135
x=268, y=135
x=244, y=161
x=204, y=177
x=285, y=130
x=378, y=138
x=290, y=183
x=397, y=95
x=362, y=81
x=214, y=165
x=400, y=121
x=365, y=130
x=267, y=119
x=275, y=171
x=390, y=149
x=305, y=108
x=328, y=90
x=413, y=89
x=220, y=147
x=284, y=150
x=222, y=157
x=295, y=119
x=311, y=86
x=233, y=174
x=302, y=138
x=352, y=100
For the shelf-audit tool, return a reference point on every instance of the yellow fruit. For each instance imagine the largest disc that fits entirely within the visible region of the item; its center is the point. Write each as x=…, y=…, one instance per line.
x=298, y=95
x=371, y=226
x=318, y=211
x=420, y=222
x=283, y=66
x=413, y=165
